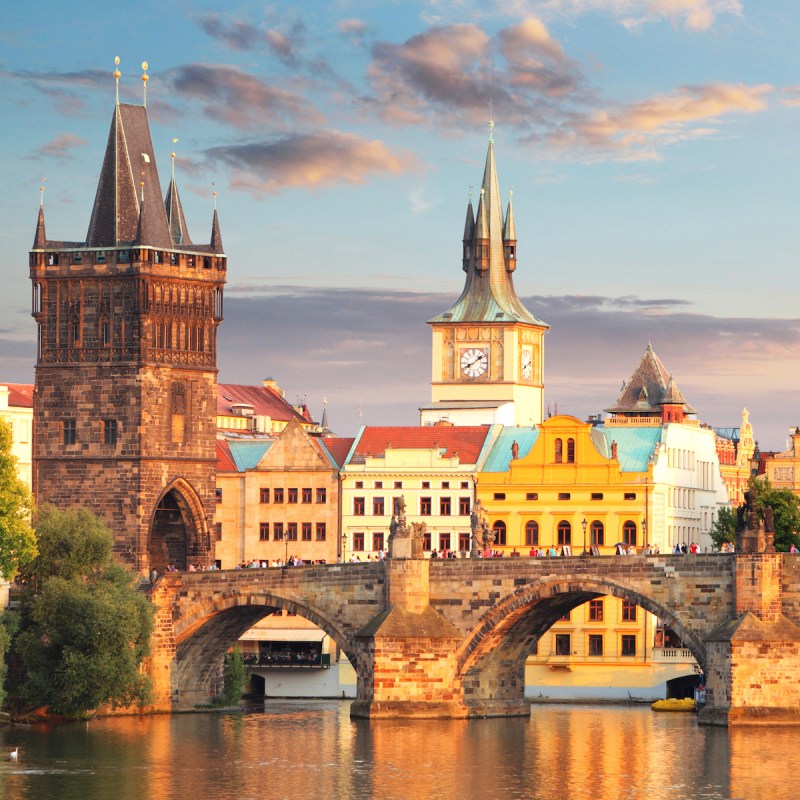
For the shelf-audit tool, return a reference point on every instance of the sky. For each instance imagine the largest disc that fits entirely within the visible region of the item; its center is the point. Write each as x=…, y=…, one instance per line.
x=651, y=146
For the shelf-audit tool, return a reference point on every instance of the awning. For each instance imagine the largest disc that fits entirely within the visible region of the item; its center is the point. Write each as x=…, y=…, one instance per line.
x=283, y=635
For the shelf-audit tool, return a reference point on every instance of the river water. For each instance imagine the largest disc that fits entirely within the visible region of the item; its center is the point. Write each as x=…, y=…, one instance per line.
x=311, y=749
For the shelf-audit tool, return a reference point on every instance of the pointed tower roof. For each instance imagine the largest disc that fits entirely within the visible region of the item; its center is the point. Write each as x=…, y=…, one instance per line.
x=177, y=222
x=648, y=389
x=489, y=295
x=216, y=236
x=129, y=159
x=40, y=238
x=509, y=229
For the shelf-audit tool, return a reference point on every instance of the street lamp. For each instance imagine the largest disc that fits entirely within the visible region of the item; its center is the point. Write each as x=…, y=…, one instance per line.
x=644, y=534
x=344, y=546
x=583, y=525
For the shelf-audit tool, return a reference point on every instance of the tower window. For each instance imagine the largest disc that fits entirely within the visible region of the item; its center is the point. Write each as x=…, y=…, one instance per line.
x=105, y=332
x=110, y=431
x=69, y=431
x=559, y=454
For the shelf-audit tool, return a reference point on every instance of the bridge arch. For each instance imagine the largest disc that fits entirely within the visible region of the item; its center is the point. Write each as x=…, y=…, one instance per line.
x=206, y=633
x=491, y=659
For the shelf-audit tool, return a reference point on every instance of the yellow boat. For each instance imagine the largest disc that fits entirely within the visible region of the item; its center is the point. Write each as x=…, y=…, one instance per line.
x=674, y=704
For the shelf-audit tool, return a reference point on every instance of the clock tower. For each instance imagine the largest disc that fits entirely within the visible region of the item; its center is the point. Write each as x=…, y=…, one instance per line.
x=488, y=349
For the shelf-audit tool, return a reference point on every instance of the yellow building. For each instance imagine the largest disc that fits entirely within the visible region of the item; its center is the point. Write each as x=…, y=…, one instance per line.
x=278, y=497
x=783, y=469
x=16, y=408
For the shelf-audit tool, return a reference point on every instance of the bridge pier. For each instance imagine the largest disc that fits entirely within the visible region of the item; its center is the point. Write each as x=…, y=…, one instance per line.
x=753, y=661
x=407, y=654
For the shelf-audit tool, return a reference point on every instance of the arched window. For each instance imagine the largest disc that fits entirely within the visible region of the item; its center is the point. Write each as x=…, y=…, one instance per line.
x=570, y=451
x=104, y=332
x=629, y=533
x=559, y=451
x=499, y=529
x=598, y=534
x=564, y=532
x=532, y=533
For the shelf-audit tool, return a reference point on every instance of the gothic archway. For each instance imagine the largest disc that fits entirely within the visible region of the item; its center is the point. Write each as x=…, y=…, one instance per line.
x=178, y=533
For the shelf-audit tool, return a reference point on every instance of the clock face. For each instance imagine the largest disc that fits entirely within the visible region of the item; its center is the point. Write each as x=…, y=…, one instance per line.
x=474, y=362
x=527, y=364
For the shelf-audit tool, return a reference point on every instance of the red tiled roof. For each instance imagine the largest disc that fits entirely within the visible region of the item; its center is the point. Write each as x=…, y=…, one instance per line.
x=338, y=447
x=225, y=462
x=265, y=400
x=20, y=395
x=464, y=441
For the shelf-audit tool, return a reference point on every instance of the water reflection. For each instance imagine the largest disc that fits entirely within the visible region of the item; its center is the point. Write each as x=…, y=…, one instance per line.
x=301, y=749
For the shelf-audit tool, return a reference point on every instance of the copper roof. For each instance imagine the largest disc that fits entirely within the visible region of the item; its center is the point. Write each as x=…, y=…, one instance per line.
x=464, y=441
x=225, y=462
x=489, y=296
x=650, y=387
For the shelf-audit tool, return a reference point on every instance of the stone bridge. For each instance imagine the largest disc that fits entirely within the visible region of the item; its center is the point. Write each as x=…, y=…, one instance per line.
x=450, y=638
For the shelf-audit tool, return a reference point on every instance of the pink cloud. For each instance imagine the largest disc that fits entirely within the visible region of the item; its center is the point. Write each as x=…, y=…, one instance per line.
x=62, y=146
x=308, y=160
x=636, y=128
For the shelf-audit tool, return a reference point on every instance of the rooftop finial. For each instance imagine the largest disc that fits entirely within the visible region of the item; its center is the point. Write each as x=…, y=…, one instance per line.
x=145, y=78
x=469, y=194
x=117, y=75
x=491, y=119
x=141, y=183
x=214, y=193
x=41, y=193
x=172, y=155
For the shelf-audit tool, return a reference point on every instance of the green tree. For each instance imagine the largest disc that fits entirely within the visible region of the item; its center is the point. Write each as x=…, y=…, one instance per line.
x=724, y=527
x=785, y=507
x=235, y=677
x=84, y=627
x=17, y=539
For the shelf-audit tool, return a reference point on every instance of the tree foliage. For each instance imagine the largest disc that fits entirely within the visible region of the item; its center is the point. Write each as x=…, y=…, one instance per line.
x=785, y=507
x=17, y=539
x=85, y=627
x=724, y=528
x=235, y=677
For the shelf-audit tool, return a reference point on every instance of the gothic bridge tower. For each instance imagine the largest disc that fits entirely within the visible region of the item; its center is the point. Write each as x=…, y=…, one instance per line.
x=488, y=349
x=125, y=390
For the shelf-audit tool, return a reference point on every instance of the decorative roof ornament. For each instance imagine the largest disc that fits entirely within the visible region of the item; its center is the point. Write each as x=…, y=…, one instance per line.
x=41, y=193
x=117, y=75
x=145, y=78
x=172, y=156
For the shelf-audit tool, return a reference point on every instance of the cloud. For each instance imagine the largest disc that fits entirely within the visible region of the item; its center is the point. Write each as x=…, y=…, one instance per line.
x=61, y=147
x=639, y=127
x=693, y=15
x=306, y=160
x=355, y=29
x=235, y=34
x=454, y=71
x=238, y=98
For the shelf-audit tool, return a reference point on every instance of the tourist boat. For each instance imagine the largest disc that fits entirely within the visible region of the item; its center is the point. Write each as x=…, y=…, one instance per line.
x=674, y=704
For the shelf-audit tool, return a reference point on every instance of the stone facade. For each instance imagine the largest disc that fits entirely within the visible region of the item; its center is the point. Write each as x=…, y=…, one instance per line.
x=125, y=392
x=462, y=653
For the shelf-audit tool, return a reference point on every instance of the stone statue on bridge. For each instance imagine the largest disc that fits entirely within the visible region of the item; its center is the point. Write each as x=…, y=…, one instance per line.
x=405, y=541
x=482, y=534
x=755, y=526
